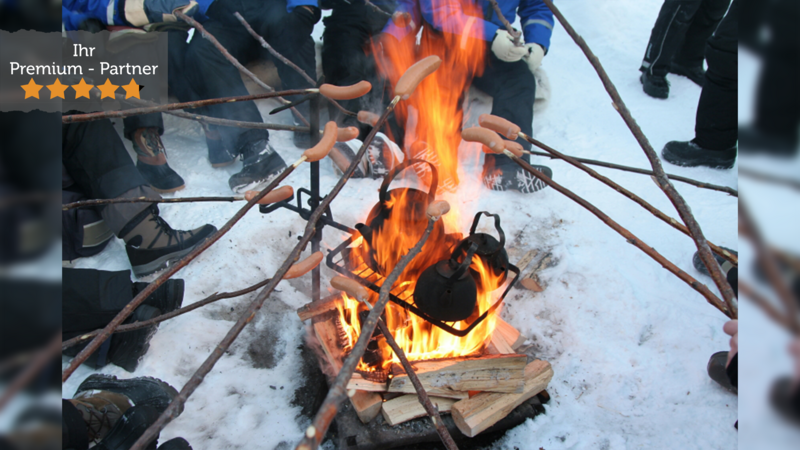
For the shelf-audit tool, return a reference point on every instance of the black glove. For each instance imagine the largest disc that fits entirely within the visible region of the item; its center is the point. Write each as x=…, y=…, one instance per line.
x=92, y=26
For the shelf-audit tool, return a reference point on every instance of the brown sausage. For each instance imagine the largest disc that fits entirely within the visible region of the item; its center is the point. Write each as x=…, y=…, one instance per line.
x=500, y=125
x=301, y=268
x=325, y=143
x=277, y=195
x=484, y=136
x=345, y=92
x=437, y=209
x=368, y=118
x=401, y=19
x=415, y=74
x=346, y=134
x=352, y=287
x=513, y=147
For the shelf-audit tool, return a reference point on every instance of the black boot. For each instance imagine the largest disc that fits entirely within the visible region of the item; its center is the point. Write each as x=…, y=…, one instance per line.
x=128, y=348
x=718, y=372
x=785, y=401
x=655, y=86
x=153, y=245
x=175, y=444
x=753, y=141
x=696, y=74
x=343, y=153
x=511, y=176
x=168, y=297
x=218, y=155
x=698, y=263
x=129, y=428
x=152, y=161
x=261, y=165
x=383, y=155
x=142, y=391
x=689, y=154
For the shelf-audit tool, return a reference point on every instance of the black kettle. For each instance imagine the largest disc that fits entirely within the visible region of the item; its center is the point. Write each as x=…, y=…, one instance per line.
x=446, y=291
x=490, y=250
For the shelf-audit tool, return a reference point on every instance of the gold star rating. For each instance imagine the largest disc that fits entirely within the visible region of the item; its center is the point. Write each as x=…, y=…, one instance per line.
x=31, y=89
x=57, y=89
x=107, y=89
x=82, y=89
x=131, y=89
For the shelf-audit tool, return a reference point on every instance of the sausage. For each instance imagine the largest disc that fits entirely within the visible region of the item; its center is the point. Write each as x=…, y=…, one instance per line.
x=345, y=92
x=277, y=195
x=401, y=19
x=352, y=287
x=437, y=209
x=486, y=137
x=500, y=125
x=346, y=134
x=415, y=74
x=368, y=118
x=324, y=145
x=513, y=147
x=301, y=268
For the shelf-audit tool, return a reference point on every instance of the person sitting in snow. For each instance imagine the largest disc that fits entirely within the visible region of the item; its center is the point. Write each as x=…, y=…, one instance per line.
x=508, y=72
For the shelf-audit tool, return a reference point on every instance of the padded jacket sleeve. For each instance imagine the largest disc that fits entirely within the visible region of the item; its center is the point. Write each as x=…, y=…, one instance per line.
x=537, y=22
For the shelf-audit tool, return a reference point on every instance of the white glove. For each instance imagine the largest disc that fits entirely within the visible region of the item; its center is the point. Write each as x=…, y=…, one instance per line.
x=534, y=56
x=503, y=47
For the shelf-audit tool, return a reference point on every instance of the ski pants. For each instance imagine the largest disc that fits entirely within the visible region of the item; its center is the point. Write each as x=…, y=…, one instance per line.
x=680, y=34
x=209, y=75
x=716, y=123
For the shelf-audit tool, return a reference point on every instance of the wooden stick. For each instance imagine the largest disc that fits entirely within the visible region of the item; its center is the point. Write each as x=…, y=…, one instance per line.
x=661, y=178
x=377, y=9
x=39, y=361
x=286, y=61
x=112, y=201
x=176, y=405
x=642, y=202
x=593, y=162
x=514, y=33
x=769, y=309
x=158, y=319
x=756, y=175
x=234, y=61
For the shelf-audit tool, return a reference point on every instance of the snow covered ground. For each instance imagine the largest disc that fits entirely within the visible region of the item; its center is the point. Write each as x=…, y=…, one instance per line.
x=628, y=341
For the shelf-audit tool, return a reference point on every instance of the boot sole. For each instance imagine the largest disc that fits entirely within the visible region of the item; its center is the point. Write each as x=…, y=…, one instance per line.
x=168, y=191
x=670, y=157
x=163, y=262
x=102, y=382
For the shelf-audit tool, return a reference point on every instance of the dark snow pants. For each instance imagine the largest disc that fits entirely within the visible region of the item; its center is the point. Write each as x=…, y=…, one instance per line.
x=512, y=87
x=210, y=75
x=716, y=124
x=680, y=34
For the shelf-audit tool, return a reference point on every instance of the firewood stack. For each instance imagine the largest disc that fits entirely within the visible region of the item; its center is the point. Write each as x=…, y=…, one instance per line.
x=478, y=391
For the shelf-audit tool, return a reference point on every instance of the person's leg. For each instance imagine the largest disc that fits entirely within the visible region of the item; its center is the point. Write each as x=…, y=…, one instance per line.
x=688, y=61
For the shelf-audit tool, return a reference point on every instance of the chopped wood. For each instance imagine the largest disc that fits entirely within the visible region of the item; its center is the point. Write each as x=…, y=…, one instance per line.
x=498, y=345
x=318, y=307
x=367, y=405
x=480, y=412
x=511, y=335
x=531, y=280
x=491, y=373
x=407, y=407
x=357, y=381
x=527, y=258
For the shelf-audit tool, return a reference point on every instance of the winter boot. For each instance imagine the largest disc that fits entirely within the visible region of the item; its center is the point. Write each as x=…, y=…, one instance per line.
x=724, y=263
x=261, y=164
x=152, y=161
x=383, y=155
x=343, y=153
x=168, y=297
x=152, y=244
x=129, y=428
x=218, y=155
x=785, y=399
x=655, y=86
x=718, y=372
x=689, y=154
x=696, y=74
x=175, y=444
x=754, y=141
x=100, y=411
x=123, y=37
x=508, y=176
x=140, y=391
x=128, y=348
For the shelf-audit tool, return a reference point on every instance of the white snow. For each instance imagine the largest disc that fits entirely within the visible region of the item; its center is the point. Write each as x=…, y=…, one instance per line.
x=628, y=341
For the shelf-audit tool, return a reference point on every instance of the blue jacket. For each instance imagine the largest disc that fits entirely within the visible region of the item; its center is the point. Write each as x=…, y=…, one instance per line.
x=535, y=17
x=73, y=12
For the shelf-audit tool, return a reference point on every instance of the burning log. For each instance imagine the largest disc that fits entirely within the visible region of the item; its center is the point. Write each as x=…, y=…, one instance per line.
x=491, y=373
x=407, y=407
x=480, y=412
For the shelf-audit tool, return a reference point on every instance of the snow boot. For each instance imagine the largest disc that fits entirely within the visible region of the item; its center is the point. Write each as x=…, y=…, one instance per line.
x=754, y=141
x=152, y=161
x=168, y=297
x=152, y=244
x=689, y=154
x=261, y=164
x=726, y=266
x=655, y=86
x=343, y=153
x=218, y=155
x=129, y=428
x=511, y=176
x=718, y=372
x=140, y=391
x=383, y=155
x=786, y=401
x=126, y=349
x=696, y=74
x=175, y=444
x=100, y=411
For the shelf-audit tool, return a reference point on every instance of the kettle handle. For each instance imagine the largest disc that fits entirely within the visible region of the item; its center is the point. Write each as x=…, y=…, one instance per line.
x=496, y=226
x=384, y=195
x=460, y=270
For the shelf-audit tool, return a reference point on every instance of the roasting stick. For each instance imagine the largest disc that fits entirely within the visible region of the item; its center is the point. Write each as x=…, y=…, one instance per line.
x=660, y=177
x=359, y=292
x=512, y=131
x=315, y=153
x=203, y=32
x=39, y=361
x=514, y=33
x=298, y=269
x=280, y=194
x=417, y=72
x=493, y=141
